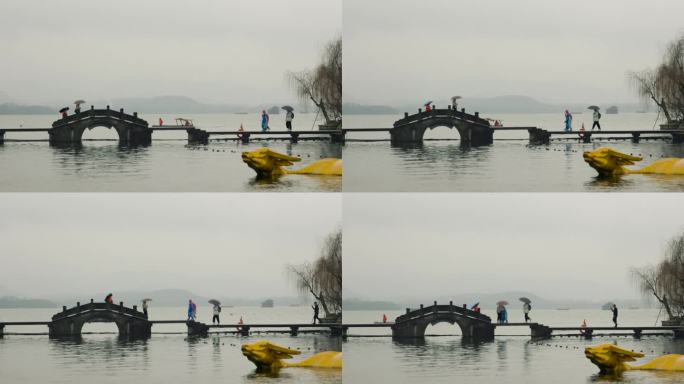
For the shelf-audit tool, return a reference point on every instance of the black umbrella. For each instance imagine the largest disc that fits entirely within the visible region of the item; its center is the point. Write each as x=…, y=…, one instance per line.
x=287, y=108
x=594, y=107
x=63, y=109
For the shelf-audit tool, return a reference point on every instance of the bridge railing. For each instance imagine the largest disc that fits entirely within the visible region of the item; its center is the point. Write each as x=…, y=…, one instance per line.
x=436, y=308
x=93, y=306
x=97, y=113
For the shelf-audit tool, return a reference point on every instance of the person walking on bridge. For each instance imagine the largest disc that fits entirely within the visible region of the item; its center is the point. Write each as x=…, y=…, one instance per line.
x=316, y=310
x=109, y=299
x=568, y=121
x=527, y=307
x=192, y=308
x=217, y=312
x=264, y=121
x=289, y=115
x=145, y=305
x=614, y=309
x=597, y=117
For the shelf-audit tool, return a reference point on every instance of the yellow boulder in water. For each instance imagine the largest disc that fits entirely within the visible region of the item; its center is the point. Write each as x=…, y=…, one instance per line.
x=612, y=359
x=609, y=162
x=269, y=357
x=268, y=163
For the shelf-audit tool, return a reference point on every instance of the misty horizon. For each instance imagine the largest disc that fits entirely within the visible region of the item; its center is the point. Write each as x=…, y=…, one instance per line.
x=209, y=243
x=578, y=53
x=561, y=245
x=234, y=52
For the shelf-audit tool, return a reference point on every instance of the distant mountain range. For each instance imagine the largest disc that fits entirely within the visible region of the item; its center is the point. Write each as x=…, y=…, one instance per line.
x=17, y=109
x=160, y=298
x=359, y=109
x=488, y=301
x=160, y=104
x=487, y=105
x=187, y=105
x=20, y=302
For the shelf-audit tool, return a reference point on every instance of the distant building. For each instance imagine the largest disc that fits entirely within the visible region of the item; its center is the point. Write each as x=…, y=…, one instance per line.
x=267, y=303
x=612, y=110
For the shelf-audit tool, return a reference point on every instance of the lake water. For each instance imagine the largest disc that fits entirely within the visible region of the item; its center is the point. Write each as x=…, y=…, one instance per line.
x=168, y=165
x=511, y=358
x=169, y=356
x=510, y=164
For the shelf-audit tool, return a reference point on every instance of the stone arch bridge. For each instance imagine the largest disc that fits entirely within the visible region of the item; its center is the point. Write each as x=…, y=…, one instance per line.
x=473, y=130
x=474, y=325
x=130, y=322
x=131, y=129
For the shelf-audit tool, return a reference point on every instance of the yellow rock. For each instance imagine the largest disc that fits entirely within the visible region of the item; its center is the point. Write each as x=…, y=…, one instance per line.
x=268, y=163
x=612, y=359
x=269, y=357
x=609, y=162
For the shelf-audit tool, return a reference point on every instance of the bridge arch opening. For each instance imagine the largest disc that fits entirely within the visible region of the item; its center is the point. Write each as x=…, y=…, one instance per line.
x=441, y=132
x=100, y=134
x=443, y=328
x=105, y=328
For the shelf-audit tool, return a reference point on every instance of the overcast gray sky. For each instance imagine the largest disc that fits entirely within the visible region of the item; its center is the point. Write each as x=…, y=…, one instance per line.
x=228, y=245
x=398, y=50
x=557, y=246
x=228, y=51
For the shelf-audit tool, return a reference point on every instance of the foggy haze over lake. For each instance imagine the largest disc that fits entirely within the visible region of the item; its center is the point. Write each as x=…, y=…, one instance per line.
x=212, y=244
x=559, y=246
x=399, y=51
x=214, y=51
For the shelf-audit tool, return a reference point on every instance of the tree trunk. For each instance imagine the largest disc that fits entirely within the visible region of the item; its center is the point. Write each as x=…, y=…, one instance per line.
x=667, y=307
x=662, y=107
x=321, y=299
x=321, y=106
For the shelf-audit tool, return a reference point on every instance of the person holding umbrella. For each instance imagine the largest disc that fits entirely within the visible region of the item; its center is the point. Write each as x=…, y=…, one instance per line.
x=63, y=111
x=109, y=299
x=78, y=103
x=217, y=311
x=527, y=307
x=454, y=102
x=145, y=305
x=289, y=115
x=596, y=117
x=427, y=106
x=501, y=313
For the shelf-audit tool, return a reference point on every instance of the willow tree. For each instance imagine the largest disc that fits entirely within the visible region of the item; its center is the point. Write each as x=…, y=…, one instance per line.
x=322, y=85
x=665, y=281
x=322, y=278
x=664, y=85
